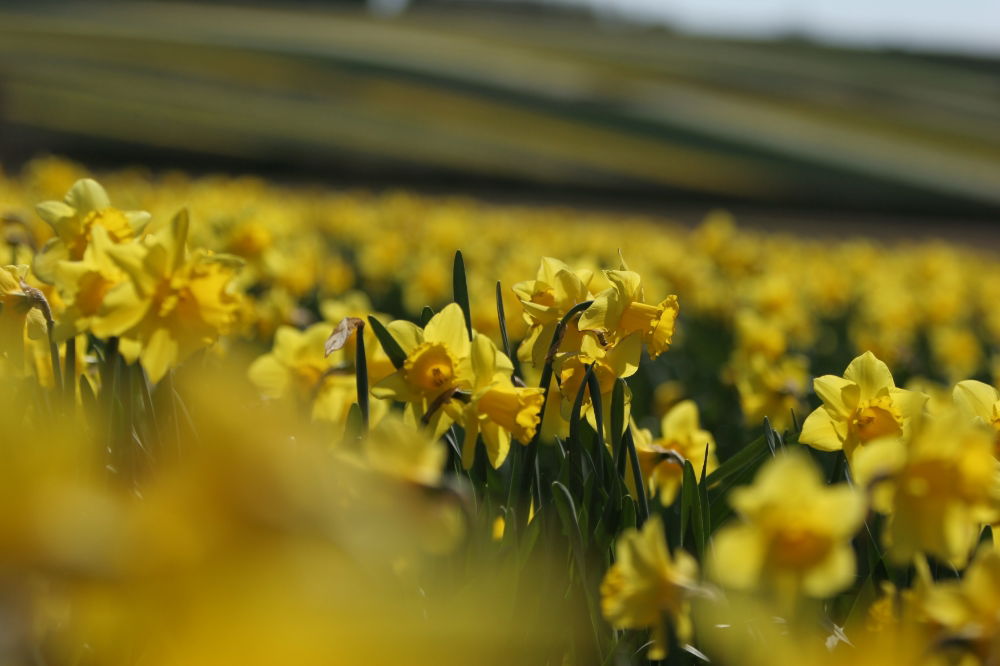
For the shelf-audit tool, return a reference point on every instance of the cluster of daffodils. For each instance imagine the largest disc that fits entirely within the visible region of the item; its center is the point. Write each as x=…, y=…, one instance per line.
x=293, y=414
x=115, y=275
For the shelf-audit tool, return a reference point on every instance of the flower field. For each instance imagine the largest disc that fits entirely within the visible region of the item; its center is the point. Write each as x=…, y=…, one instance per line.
x=246, y=422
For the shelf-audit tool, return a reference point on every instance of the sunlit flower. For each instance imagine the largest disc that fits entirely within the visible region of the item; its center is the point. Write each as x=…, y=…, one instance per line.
x=438, y=364
x=497, y=410
x=859, y=407
x=621, y=311
x=680, y=433
x=171, y=305
x=86, y=206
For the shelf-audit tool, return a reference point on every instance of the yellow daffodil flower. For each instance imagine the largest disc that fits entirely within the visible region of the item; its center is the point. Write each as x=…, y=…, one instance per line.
x=438, y=361
x=621, y=311
x=86, y=206
x=937, y=489
x=83, y=284
x=681, y=433
x=554, y=291
x=171, y=305
x=795, y=534
x=497, y=410
x=771, y=388
x=297, y=367
x=646, y=586
x=859, y=407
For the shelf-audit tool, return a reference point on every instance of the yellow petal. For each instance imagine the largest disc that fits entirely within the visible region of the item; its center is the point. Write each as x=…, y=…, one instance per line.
x=270, y=376
x=87, y=195
x=682, y=419
x=596, y=316
x=834, y=573
x=870, y=374
x=159, y=353
x=47, y=260
x=737, y=556
x=877, y=459
x=976, y=398
x=121, y=310
x=407, y=335
x=820, y=432
x=448, y=327
x=838, y=394
x=54, y=212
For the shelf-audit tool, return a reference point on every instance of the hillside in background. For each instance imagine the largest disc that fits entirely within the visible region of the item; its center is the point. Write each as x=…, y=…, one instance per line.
x=456, y=97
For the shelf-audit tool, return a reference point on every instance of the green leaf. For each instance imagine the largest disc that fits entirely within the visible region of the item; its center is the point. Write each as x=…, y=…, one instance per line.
x=618, y=425
x=352, y=428
x=640, y=487
x=502, y=320
x=628, y=513
x=392, y=349
x=461, y=290
x=567, y=514
x=749, y=455
x=361, y=377
x=691, y=506
x=425, y=315
x=595, y=400
x=575, y=441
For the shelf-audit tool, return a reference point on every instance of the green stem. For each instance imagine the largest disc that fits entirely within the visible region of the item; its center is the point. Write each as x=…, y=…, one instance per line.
x=361, y=376
x=531, y=451
x=69, y=376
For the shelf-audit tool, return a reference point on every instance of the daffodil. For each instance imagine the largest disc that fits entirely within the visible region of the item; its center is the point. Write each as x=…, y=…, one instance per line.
x=172, y=304
x=497, y=410
x=772, y=388
x=85, y=207
x=795, y=533
x=554, y=291
x=438, y=363
x=862, y=406
x=297, y=367
x=937, y=489
x=646, y=587
x=621, y=311
x=680, y=433
x=83, y=285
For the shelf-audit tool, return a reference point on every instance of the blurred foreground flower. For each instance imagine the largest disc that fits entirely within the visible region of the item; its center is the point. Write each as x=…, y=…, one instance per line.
x=795, y=535
x=646, y=587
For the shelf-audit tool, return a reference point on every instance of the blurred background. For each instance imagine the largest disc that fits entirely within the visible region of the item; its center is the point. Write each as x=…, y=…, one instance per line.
x=853, y=115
